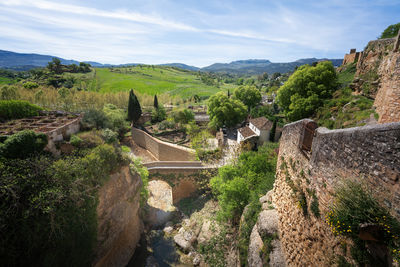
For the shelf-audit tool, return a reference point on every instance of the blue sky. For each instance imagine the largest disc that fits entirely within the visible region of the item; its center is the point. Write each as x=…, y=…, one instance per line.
x=190, y=31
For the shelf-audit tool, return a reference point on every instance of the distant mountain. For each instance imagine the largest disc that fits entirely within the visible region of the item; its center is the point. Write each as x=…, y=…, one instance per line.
x=20, y=61
x=181, y=66
x=259, y=66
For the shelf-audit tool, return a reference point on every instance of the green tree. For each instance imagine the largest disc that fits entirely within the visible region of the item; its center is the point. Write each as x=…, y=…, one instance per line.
x=306, y=89
x=183, y=116
x=225, y=111
x=134, y=109
x=390, y=31
x=249, y=95
x=55, y=66
x=155, y=104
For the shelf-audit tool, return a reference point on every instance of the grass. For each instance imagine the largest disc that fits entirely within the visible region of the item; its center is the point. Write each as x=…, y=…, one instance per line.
x=5, y=80
x=149, y=80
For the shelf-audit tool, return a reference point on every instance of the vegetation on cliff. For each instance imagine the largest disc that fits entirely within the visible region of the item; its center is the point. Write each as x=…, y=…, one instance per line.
x=357, y=215
x=240, y=185
x=391, y=31
x=48, y=207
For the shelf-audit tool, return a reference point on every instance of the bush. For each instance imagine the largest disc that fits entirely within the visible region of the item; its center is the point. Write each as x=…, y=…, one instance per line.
x=48, y=208
x=355, y=205
x=75, y=141
x=158, y=114
x=30, y=85
x=183, y=115
x=235, y=185
x=109, y=136
x=17, y=109
x=167, y=124
x=117, y=118
x=23, y=144
x=90, y=139
x=94, y=118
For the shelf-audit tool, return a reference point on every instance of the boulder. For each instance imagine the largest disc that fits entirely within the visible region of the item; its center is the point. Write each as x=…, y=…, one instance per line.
x=255, y=246
x=267, y=222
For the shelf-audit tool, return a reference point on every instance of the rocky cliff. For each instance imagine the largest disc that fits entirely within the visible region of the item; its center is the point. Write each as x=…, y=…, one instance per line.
x=119, y=224
x=378, y=76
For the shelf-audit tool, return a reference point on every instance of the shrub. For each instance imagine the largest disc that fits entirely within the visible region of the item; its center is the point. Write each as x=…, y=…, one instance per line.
x=158, y=114
x=109, y=136
x=30, y=85
x=48, y=208
x=23, y=144
x=235, y=185
x=355, y=205
x=183, y=115
x=116, y=117
x=90, y=139
x=94, y=118
x=17, y=109
x=75, y=141
x=167, y=124
x=136, y=166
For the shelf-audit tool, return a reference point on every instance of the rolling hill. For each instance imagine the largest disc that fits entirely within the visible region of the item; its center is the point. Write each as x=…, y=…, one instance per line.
x=19, y=61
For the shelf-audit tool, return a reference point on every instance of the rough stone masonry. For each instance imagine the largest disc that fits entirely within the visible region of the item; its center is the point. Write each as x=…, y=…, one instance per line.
x=370, y=154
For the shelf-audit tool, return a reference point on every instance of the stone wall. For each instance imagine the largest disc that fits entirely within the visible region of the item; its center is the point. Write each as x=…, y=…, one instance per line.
x=62, y=133
x=119, y=224
x=370, y=154
x=353, y=57
x=163, y=151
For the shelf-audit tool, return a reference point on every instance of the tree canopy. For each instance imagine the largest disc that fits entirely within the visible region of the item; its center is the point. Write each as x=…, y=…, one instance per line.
x=390, y=31
x=134, y=109
x=249, y=95
x=225, y=111
x=155, y=104
x=306, y=89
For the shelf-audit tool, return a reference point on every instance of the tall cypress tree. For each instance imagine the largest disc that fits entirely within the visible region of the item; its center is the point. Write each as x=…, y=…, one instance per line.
x=155, y=102
x=134, y=109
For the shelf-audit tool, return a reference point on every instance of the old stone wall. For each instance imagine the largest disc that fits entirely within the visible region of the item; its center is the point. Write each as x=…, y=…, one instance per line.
x=351, y=58
x=61, y=133
x=370, y=154
x=163, y=151
x=119, y=224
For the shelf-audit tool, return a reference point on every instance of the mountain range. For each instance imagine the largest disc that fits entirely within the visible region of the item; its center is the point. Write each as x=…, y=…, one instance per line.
x=21, y=61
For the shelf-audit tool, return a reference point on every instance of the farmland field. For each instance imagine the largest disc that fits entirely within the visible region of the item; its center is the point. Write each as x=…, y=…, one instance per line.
x=149, y=80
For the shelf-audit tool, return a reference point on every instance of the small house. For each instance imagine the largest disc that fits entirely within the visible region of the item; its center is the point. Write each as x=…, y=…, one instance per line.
x=258, y=127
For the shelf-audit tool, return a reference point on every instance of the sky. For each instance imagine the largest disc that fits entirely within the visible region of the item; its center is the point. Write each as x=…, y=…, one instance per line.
x=193, y=32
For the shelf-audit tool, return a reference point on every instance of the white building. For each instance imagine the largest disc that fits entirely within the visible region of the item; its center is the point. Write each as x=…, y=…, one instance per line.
x=258, y=127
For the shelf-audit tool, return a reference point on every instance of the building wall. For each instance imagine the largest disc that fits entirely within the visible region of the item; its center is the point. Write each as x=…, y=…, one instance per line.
x=254, y=129
x=163, y=151
x=62, y=133
x=370, y=154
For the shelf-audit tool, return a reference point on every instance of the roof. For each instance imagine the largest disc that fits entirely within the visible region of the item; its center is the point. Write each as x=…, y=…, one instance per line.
x=246, y=132
x=261, y=123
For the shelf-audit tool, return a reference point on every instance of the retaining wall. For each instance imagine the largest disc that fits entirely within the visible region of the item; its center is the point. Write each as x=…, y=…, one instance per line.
x=163, y=151
x=370, y=154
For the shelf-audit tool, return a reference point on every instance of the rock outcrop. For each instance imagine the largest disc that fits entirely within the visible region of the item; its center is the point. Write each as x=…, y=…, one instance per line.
x=378, y=77
x=160, y=203
x=119, y=223
x=266, y=228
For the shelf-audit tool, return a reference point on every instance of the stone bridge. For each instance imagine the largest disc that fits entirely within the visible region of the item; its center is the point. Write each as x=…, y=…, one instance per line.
x=184, y=177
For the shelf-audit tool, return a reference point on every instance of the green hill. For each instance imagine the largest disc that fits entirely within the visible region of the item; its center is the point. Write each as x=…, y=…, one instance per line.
x=148, y=80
